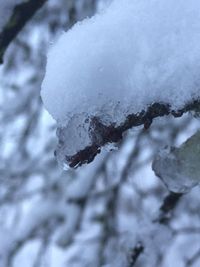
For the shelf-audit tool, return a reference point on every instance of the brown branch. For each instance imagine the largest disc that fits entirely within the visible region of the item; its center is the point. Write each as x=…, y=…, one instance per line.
x=22, y=13
x=101, y=134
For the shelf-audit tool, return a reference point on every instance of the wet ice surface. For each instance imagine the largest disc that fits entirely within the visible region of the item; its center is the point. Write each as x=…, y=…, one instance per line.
x=72, y=138
x=179, y=168
x=80, y=140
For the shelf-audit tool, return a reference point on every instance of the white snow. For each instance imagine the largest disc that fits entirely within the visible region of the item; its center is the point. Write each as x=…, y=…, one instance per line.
x=128, y=56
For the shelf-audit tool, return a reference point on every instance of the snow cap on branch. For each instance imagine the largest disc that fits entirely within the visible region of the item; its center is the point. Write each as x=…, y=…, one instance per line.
x=132, y=54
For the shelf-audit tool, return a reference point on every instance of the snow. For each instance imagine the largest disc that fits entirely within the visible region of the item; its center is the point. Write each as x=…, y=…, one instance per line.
x=144, y=50
x=126, y=57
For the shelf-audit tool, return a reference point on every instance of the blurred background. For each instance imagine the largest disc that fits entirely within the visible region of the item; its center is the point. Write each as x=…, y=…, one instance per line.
x=112, y=212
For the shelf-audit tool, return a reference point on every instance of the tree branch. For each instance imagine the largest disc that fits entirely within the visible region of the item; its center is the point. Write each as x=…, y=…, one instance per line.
x=135, y=253
x=169, y=204
x=22, y=13
x=102, y=134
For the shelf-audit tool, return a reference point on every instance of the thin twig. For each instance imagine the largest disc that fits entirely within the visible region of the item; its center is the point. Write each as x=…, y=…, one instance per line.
x=22, y=13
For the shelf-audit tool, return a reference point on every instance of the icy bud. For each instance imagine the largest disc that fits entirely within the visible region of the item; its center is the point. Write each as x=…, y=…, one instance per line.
x=179, y=168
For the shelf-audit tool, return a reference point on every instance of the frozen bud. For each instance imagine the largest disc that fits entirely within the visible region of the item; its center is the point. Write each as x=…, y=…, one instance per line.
x=179, y=168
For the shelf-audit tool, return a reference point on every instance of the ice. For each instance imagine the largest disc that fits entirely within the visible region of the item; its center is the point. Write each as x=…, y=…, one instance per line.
x=179, y=167
x=128, y=56
x=72, y=138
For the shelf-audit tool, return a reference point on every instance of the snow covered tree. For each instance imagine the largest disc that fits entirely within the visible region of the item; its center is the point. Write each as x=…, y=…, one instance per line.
x=122, y=85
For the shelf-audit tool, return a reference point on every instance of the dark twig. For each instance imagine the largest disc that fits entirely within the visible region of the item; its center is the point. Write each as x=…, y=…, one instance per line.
x=135, y=253
x=167, y=207
x=22, y=13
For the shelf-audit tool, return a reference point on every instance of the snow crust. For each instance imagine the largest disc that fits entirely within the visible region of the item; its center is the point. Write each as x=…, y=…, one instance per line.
x=123, y=59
